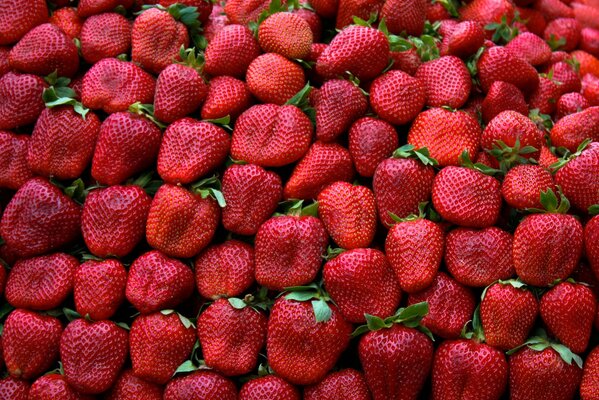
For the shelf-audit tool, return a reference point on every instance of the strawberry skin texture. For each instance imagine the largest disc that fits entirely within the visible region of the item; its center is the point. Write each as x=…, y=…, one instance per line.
x=589, y=388
x=591, y=243
x=231, y=339
x=579, y=180
x=226, y=96
x=88, y=8
x=54, y=386
x=273, y=78
x=156, y=282
x=105, y=35
x=573, y=129
x=347, y=9
x=191, y=149
x=370, y=142
x=19, y=17
x=99, y=288
x=231, y=51
x=362, y=281
x=345, y=384
x=503, y=96
x=180, y=223
x=14, y=169
x=199, y=386
x=130, y=387
x=486, y=11
x=252, y=195
x=14, y=389
x=465, y=369
x=68, y=21
x=531, y=48
x=397, y=97
x=464, y=39
x=446, y=80
x=180, y=90
x=30, y=343
x=41, y=283
x=509, y=126
x=405, y=16
x=93, y=354
x=20, y=99
x=244, y=11
x=523, y=184
x=269, y=387
x=286, y=34
x=396, y=362
x=159, y=344
x=500, y=64
x=537, y=375
x=295, y=339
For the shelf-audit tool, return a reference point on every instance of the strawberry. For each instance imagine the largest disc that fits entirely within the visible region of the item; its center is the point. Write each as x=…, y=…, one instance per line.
x=313, y=21
x=446, y=80
x=405, y=16
x=30, y=343
x=159, y=343
x=286, y=34
x=589, y=388
x=571, y=130
x=312, y=336
x=252, y=195
x=271, y=136
x=508, y=312
x=245, y=11
x=349, y=214
x=361, y=281
x=68, y=21
x=4, y=64
x=273, y=78
x=370, y=142
x=446, y=134
x=500, y=64
x=88, y=8
x=269, y=387
x=113, y=85
x=13, y=389
x=218, y=331
x=92, y=354
x=344, y=384
x=180, y=89
x=361, y=50
x=591, y=236
x=348, y=9
x=325, y=8
x=156, y=282
x=397, y=97
x=339, y=103
x=231, y=51
x=563, y=33
x=105, y=35
x=588, y=43
x=204, y=8
x=523, y=185
x=99, y=288
x=20, y=99
x=590, y=89
x=487, y=11
x=113, y=220
x=226, y=96
x=568, y=309
x=191, y=149
x=547, y=158
x=200, y=385
x=477, y=258
x=544, y=96
x=552, y=9
x=407, y=61
x=531, y=48
x=567, y=75
x=130, y=387
x=62, y=143
x=503, y=96
x=14, y=170
x=464, y=39
x=19, y=18
x=53, y=386
x=181, y=223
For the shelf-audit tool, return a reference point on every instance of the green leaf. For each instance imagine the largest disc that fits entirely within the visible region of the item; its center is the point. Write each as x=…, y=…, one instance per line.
x=566, y=354
x=185, y=321
x=236, y=303
x=594, y=209
x=322, y=311
x=375, y=323
x=310, y=210
x=187, y=366
x=220, y=199
x=415, y=311
x=301, y=98
x=224, y=121
x=300, y=296
x=147, y=111
x=360, y=330
x=71, y=314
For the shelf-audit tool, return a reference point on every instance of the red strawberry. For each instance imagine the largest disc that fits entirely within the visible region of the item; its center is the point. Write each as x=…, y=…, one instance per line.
x=446, y=80
x=360, y=282
x=547, y=158
x=325, y=8
x=589, y=39
x=252, y=195
x=370, y=142
x=19, y=18
x=509, y=132
x=523, y=185
x=200, y=385
x=130, y=387
x=567, y=75
x=4, y=64
x=87, y=8
x=313, y=21
x=62, y=143
x=113, y=85
x=407, y=61
x=99, y=288
x=269, y=387
x=13, y=389
x=14, y=170
x=464, y=39
x=274, y=79
x=231, y=51
x=544, y=96
x=591, y=238
x=304, y=341
x=113, y=220
x=571, y=130
x=347, y=9
x=589, y=388
x=53, y=387
x=361, y=50
x=30, y=343
x=20, y=99
x=563, y=33
x=191, y=149
x=92, y=354
x=345, y=384
x=159, y=343
x=405, y=16
x=156, y=282
x=508, y=313
x=590, y=89
x=530, y=47
x=397, y=97
x=105, y=35
x=204, y=8
x=68, y=21
x=181, y=223
x=589, y=64
x=503, y=96
x=244, y=11
x=487, y=11
x=500, y=64
x=286, y=34
x=219, y=328
x=553, y=9
x=226, y=96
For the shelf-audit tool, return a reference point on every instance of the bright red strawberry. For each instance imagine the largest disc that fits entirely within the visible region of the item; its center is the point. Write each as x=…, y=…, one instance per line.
x=544, y=96
x=113, y=85
x=199, y=386
x=509, y=132
x=156, y=282
x=130, y=387
x=589, y=63
x=360, y=282
x=464, y=39
x=530, y=47
x=503, y=96
x=226, y=96
x=30, y=343
x=487, y=11
x=191, y=149
x=204, y=8
x=231, y=51
x=20, y=99
x=99, y=288
x=345, y=384
x=508, y=312
x=347, y=9
x=523, y=184
x=252, y=195
x=361, y=50
x=88, y=8
x=563, y=33
x=407, y=61
x=590, y=89
x=571, y=130
x=589, y=388
x=105, y=35
x=446, y=80
x=273, y=78
x=54, y=387
x=547, y=157
x=404, y=16
x=567, y=75
x=13, y=389
x=14, y=170
x=269, y=387
x=500, y=64
x=244, y=11
x=370, y=142
x=397, y=97
x=591, y=239
x=314, y=22
x=286, y=34
x=20, y=17
x=68, y=21
x=159, y=343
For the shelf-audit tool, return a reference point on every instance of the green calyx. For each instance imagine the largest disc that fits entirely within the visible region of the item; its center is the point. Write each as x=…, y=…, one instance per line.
x=147, y=111
x=317, y=297
x=256, y=301
x=482, y=168
x=510, y=156
x=194, y=363
x=408, y=316
x=567, y=156
x=543, y=121
x=60, y=94
x=188, y=16
x=425, y=209
x=210, y=187
x=187, y=323
x=556, y=43
x=473, y=329
x=147, y=182
x=451, y=6
x=332, y=252
x=295, y=207
x=516, y=283
x=275, y=6
x=422, y=154
x=594, y=209
x=302, y=101
x=192, y=58
x=551, y=203
x=504, y=31
x=540, y=342
x=223, y=122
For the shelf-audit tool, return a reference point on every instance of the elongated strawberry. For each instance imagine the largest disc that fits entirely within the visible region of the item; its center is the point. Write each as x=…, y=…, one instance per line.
x=370, y=142
x=226, y=96
x=286, y=34
x=14, y=169
x=345, y=384
x=269, y=386
x=20, y=18
x=503, y=96
x=99, y=288
x=523, y=185
x=20, y=99
x=130, y=387
x=274, y=79
x=105, y=35
x=231, y=51
x=200, y=385
x=397, y=97
x=54, y=386
x=500, y=64
x=571, y=130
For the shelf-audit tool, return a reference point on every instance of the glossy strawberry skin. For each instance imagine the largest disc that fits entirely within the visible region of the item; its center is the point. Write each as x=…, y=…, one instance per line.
x=269, y=386
x=14, y=389
x=344, y=384
x=180, y=90
x=105, y=35
x=446, y=81
x=130, y=387
x=370, y=142
x=589, y=387
x=286, y=34
x=523, y=184
x=231, y=51
x=510, y=126
x=531, y=48
x=20, y=99
x=200, y=385
x=88, y=8
x=99, y=288
x=21, y=18
x=54, y=386
x=499, y=64
x=397, y=97
x=591, y=239
x=503, y=96
x=578, y=178
x=226, y=96
x=30, y=343
x=274, y=79
x=14, y=169
x=463, y=40
x=573, y=129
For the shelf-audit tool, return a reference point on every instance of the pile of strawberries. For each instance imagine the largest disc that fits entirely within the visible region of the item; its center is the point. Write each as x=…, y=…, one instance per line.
x=277, y=200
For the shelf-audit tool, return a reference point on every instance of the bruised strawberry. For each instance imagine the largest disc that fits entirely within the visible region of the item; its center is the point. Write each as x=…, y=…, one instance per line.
x=231, y=51
x=531, y=48
x=130, y=387
x=404, y=16
x=500, y=64
x=503, y=96
x=14, y=169
x=19, y=18
x=99, y=288
x=273, y=78
x=345, y=384
x=370, y=142
x=269, y=386
x=53, y=386
x=397, y=97
x=20, y=99
x=446, y=80
x=226, y=96
x=105, y=35
x=200, y=385
x=571, y=130
x=286, y=34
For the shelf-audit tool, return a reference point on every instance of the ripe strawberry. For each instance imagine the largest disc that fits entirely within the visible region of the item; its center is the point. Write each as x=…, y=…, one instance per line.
x=62, y=143
x=19, y=18
x=500, y=64
x=589, y=63
x=130, y=387
x=204, y=8
x=547, y=158
x=568, y=77
x=591, y=237
x=20, y=99
x=252, y=195
x=523, y=185
x=468, y=369
x=200, y=385
x=300, y=334
x=338, y=104
x=553, y=9
x=531, y=48
x=286, y=34
x=159, y=343
x=464, y=39
x=571, y=130
x=370, y=142
x=487, y=11
x=544, y=96
x=344, y=384
x=407, y=61
x=325, y=8
x=99, y=288
x=53, y=386
x=14, y=170
x=563, y=33
x=191, y=149
x=397, y=97
x=181, y=223
x=361, y=50
x=88, y=8
x=271, y=136
x=4, y=64
x=274, y=79
x=404, y=16
x=269, y=387
x=446, y=80
x=13, y=389
x=68, y=21
x=503, y=96
x=223, y=348
x=156, y=282
x=313, y=21
x=113, y=85
x=30, y=343
x=245, y=11
x=347, y=9
x=590, y=89
x=360, y=282
x=509, y=133
x=508, y=312
x=226, y=96
x=589, y=387
x=105, y=35
x=92, y=354
x=231, y=51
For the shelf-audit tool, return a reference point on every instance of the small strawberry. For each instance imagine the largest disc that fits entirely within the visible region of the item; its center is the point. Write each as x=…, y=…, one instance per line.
x=68, y=21
x=446, y=80
x=231, y=51
x=503, y=96
x=531, y=48
x=269, y=387
x=344, y=384
x=463, y=40
x=571, y=130
x=130, y=387
x=226, y=96
x=20, y=17
x=589, y=387
x=14, y=170
x=273, y=78
x=105, y=35
x=523, y=185
x=286, y=34
x=500, y=64
x=370, y=142
x=99, y=288
x=53, y=387
x=14, y=389
x=200, y=385
x=397, y=97
x=404, y=16
x=20, y=99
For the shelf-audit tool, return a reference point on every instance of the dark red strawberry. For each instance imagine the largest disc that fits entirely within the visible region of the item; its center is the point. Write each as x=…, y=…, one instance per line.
x=571, y=130
x=20, y=99
x=567, y=75
x=14, y=389
x=130, y=387
x=231, y=51
x=19, y=18
x=348, y=9
x=589, y=387
x=14, y=170
x=345, y=384
x=269, y=387
x=545, y=96
x=591, y=239
x=105, y=35
x=503, y=96
x=397, y=97
x=200, y=385
x=446, y=80
x=500, y=64
x=407, y=61
x=370, y=142
x=404, y=16
x=226, y=96
x=531, y=48
x=99, y=288
x=54, y=387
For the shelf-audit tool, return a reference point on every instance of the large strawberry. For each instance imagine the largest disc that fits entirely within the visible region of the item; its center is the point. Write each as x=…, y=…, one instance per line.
x=446, y=81
x=344, y=384
x=20, y=99
x=523, y=185
x=14, y=170
x=589, y=387
x=130, y=387
x=500, y=64
x=286, y=34
x=503, y=96
x=397, y=97
x=226, y=96
x=578, y=178
x=273, y=78
x=269, y=386
x=370, y=142
x=54, y=386
x=571, y=130
x=105, y=35
x=99, y=288
x=201, y=385
x=20, y=17
x=231, y=51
